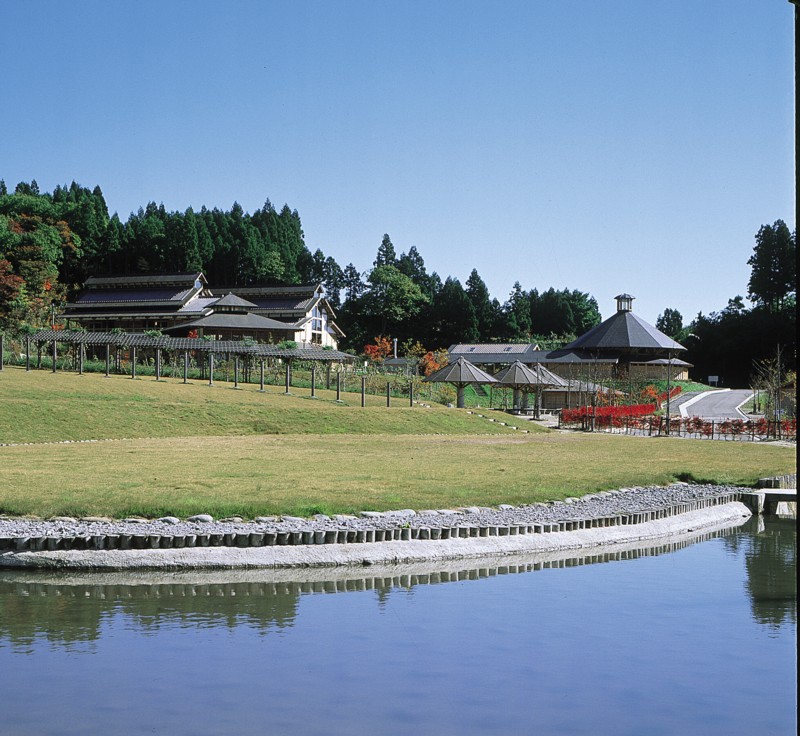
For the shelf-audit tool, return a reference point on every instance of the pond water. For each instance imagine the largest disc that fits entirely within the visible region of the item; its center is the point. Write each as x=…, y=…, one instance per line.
x=694, y=640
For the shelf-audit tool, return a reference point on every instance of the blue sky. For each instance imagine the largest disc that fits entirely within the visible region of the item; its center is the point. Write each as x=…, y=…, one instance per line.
x=605, y=145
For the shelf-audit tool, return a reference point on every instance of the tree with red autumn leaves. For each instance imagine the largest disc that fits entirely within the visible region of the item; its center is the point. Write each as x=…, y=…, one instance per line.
x=432, y=362
x=378, y=350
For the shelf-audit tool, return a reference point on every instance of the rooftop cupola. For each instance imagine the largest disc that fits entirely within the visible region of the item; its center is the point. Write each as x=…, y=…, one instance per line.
x=624, y=302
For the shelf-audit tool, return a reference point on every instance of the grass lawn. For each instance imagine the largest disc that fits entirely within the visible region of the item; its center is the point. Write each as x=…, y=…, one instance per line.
x=240, y=452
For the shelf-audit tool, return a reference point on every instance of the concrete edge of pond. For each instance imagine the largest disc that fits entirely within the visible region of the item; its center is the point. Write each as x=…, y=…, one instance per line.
x=377, y=553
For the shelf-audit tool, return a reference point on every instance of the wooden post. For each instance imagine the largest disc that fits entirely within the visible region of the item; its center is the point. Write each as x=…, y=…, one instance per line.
x=158, y=364
x=80, y=359
x=411, y=394
x=313, y=381
x=27, y=352
x=186, y=366
x=55, y=355
x=1, y=351
x=338, y=385
x=108, y=359
x=328, y=376
x=133, y=363
x=236, y=371
x=211, y=369
x=262, y=376
x=388, y=393
x=288, y=378
x=363, y=391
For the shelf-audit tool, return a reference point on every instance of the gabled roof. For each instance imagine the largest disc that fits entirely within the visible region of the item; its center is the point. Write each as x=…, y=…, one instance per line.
x=167, y=292
x=624, y=331
x=493, y=352
x=186, y=279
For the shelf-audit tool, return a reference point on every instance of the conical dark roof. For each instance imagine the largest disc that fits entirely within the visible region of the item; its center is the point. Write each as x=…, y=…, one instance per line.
x=462, y=371
x=625, y=331
x=231, y=300
x=520, y=375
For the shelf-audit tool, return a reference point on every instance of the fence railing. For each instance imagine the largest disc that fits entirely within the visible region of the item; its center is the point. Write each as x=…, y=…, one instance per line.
x=696, y=427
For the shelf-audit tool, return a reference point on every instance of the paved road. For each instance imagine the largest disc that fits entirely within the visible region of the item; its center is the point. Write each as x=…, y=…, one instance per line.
x=717, y=405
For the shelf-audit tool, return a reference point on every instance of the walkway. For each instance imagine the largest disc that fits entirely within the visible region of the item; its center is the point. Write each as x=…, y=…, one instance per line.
x=713, y=405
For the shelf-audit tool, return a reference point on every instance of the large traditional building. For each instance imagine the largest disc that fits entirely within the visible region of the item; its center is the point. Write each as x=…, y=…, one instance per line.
x=183, y=304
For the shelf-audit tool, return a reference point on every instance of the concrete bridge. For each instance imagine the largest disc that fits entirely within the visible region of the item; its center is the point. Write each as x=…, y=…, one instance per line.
x=771, y=501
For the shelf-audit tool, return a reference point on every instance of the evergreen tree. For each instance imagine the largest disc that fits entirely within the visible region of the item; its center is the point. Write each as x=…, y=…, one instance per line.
x=386, y=254
x=774, y=266
x=670, y=322
x=517, y=314
x=353, y=284
x=482, y=306
x=453, y=317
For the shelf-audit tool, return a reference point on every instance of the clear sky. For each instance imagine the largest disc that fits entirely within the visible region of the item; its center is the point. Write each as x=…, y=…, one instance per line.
x=600, y=145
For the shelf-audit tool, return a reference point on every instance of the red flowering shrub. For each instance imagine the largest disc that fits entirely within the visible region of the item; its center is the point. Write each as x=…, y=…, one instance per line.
x=606, y=415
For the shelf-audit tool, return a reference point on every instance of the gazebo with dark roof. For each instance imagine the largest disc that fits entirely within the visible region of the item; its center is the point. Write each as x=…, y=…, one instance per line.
x=625, y=333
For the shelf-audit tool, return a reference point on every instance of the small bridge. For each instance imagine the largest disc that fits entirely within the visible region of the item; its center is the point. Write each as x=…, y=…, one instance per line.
x=767, y=500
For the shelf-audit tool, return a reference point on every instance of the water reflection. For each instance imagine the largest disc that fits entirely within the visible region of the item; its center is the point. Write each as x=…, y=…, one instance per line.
x=679, y=638
x=770, y=558
x=68, y=608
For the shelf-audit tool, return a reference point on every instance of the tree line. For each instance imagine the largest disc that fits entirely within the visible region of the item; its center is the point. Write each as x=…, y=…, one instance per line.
x=51, y=242
x=735, y=342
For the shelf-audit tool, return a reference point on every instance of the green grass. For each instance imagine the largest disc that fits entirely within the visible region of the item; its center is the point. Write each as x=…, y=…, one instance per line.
x=40, y=406
x=225, y=452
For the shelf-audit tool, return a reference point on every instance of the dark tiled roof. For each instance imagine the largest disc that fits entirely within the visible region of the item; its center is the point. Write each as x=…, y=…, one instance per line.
x=462, y=371
x=490, y=349
x=520, y=375
x=625, y=331
x=224, y=321
x=186, y=280
x=488, y=354
x=103, y=296
x=231, y=300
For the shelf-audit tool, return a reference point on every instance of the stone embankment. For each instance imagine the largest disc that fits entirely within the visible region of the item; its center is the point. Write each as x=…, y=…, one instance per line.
x=601, y=511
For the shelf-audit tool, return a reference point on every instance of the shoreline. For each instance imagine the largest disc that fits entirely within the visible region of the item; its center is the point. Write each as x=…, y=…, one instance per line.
x=341, y=578
x=660, y=524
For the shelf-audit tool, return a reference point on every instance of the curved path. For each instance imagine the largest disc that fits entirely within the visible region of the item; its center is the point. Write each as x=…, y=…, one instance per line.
x=715, y=405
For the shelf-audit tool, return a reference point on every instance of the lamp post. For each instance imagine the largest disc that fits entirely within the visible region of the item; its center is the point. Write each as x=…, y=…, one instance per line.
x=669, y=376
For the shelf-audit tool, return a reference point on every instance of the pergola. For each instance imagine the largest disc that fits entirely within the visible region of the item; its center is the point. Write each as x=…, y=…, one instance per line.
x=186, y=345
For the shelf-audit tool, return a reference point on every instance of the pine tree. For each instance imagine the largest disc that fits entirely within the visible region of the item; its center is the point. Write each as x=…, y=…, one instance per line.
x=386, y=254
x=774, y=266
x=484, y=313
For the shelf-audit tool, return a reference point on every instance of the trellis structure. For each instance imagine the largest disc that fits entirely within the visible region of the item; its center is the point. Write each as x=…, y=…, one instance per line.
x=160, y=344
